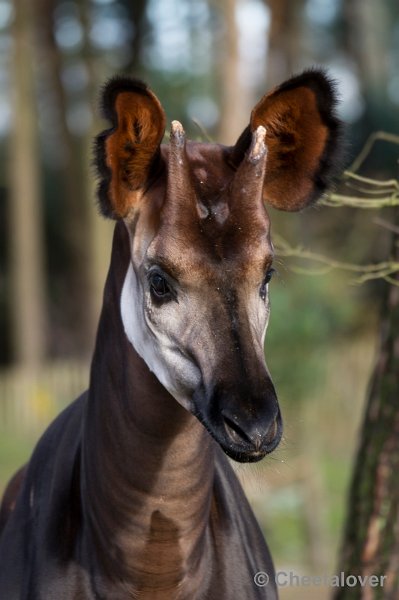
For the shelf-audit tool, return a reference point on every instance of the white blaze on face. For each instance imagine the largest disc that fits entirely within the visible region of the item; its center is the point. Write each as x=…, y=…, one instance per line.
x=267, y=303
x=174, y=370
x=258, y=311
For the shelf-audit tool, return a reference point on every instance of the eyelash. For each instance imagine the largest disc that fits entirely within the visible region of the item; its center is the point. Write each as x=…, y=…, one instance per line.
x=266, y=280
x=161, y=290
x=158, y=285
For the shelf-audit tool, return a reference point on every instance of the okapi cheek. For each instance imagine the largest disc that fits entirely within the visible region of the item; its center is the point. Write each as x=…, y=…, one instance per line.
x=176, y=373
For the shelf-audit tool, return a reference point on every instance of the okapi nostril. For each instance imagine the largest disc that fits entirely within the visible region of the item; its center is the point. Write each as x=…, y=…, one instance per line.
x=272, y=432
x=234, y=431
x=252, y=433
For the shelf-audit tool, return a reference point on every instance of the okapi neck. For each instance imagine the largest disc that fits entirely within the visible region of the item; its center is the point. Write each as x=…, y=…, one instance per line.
x=147, y=463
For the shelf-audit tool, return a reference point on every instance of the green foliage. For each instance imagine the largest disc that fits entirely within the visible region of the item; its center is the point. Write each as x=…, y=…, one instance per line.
x=308, y=315
x=14, y=452
x=284, y=514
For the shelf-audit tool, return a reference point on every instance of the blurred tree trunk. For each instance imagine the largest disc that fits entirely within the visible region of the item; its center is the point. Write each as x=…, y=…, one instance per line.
x=366, y=27
x=77, y=308
x=100, y=230
x=28, y=311
x=285, y=36
x=236, y=100
x=138, y=19
x=371, y=540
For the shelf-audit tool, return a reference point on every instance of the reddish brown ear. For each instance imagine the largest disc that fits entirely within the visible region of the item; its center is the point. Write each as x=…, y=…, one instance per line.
x=302, y=137
x=127, y=154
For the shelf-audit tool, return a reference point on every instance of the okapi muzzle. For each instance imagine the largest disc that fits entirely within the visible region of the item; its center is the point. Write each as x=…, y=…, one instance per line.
x=195, y=300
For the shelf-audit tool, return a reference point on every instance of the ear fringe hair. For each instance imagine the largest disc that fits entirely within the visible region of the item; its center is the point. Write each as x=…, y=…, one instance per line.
x=327, y=97
x=112, y=88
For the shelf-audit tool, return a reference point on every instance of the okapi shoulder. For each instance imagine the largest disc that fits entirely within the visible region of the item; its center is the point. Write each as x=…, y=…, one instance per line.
x=45, y=517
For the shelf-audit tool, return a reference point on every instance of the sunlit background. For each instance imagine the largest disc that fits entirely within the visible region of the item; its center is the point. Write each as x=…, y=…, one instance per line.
x=208, y=62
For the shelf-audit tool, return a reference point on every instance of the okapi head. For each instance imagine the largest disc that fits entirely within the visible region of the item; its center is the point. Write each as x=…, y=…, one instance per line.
x=195, y=302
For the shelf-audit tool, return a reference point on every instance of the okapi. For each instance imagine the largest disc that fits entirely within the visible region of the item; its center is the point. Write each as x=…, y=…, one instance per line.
x=129, y=494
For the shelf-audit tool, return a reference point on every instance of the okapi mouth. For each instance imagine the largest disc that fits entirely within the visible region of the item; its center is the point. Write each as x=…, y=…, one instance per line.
x=243, y=440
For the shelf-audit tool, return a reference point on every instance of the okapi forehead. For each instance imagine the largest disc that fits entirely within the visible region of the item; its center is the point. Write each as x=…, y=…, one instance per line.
x=207, y=225
x=211, y=170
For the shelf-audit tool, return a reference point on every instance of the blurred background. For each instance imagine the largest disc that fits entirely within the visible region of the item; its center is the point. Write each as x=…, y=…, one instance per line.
x=209, y=62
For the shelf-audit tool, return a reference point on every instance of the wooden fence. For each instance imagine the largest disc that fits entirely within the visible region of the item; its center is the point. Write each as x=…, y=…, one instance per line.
x=31, y=398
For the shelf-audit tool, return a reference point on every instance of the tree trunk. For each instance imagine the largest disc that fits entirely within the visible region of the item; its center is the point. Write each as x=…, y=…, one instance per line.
x=76, y=307
x=284, y=40
x=99, y=229
x=366, y=25
x=27, y=306
x=137, y=16
x=371, y=540
x=236, y=100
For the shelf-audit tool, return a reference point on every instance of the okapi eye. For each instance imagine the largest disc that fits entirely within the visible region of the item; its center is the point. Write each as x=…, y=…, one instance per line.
x=159, y=286
x=266, y=280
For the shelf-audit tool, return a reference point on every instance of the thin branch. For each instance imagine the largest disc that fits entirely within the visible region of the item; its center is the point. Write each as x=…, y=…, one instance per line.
x=382, y=274
x=366, y=272
x=392, y=281
x=386, y=190
x=202, y=129
x=373, y=182
x=339, y=200
x=370, y=191
x=387, y=225
x=306, y=271
x=377, y=135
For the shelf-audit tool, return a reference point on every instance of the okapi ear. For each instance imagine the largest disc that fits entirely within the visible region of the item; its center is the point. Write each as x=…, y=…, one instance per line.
x=128, y=152
x=302, y=138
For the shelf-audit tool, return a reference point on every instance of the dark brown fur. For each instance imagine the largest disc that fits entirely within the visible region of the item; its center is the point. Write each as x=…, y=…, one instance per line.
x=10, y=495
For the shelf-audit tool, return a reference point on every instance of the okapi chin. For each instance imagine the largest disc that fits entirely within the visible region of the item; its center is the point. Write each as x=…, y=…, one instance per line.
x=129, y=494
